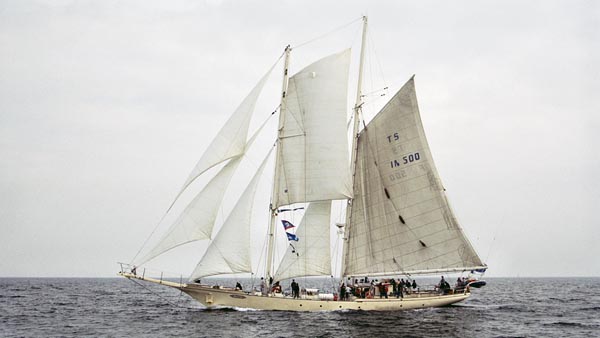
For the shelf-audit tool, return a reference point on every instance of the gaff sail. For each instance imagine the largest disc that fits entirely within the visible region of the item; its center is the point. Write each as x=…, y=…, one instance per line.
x=401, y=221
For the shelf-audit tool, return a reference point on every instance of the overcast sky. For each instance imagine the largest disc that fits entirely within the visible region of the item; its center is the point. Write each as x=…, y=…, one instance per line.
x=105, y=107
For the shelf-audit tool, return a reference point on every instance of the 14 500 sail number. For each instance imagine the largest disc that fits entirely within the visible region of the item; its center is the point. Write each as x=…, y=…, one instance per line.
x=405, y=160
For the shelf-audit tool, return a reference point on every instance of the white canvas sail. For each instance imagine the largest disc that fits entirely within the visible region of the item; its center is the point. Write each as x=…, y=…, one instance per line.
x=310, y=255
x=401, y=221
x=197, y=220
x=312, y=158
x=231, y=139
x=229, y=252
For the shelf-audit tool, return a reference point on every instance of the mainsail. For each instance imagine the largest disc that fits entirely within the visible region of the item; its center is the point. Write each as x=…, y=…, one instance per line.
x=312, y=158
x=401, y=221
x=310, y=255
x=229, y=252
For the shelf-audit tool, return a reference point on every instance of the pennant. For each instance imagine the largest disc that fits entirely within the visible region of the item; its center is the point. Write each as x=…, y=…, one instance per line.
x=292, y=237
x=287, y=225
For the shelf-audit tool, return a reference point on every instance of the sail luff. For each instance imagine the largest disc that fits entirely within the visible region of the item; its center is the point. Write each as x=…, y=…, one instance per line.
x=273, y=208
x=355, y=126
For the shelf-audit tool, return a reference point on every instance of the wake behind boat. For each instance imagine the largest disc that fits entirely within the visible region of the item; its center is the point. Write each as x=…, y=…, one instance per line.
x=398, y=219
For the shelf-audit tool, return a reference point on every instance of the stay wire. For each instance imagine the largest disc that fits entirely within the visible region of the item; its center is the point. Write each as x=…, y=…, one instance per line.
x=162, y=297
x=328, y=33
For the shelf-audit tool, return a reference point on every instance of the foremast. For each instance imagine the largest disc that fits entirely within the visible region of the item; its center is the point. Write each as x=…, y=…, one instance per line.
x=273, y=207
x=356, y=113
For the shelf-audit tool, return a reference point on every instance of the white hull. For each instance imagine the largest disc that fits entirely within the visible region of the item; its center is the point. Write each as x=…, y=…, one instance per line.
x=216, y=297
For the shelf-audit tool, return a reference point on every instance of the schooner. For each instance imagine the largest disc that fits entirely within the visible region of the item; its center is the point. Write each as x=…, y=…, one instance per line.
x=398, y=219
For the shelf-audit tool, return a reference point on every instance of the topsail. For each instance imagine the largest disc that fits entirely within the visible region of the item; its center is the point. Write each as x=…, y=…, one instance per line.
x=312, y=159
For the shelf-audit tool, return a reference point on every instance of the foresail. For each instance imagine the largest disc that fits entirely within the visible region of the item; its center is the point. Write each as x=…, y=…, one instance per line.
x=197, y=220
x=310, y=255
x=231, y=139
x=401, y=221
x=229, y=252
x=312, y=159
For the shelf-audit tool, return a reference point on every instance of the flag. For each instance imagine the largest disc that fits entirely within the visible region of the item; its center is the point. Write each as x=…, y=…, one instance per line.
x=292, y=237
x=287, y=225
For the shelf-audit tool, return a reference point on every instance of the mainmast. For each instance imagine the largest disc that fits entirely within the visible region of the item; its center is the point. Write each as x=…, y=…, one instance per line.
x=357, y=110
x=272, y=223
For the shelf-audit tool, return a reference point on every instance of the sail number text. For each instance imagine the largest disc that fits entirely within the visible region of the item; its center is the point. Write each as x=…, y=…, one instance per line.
x=405, y=160
x=394, y=137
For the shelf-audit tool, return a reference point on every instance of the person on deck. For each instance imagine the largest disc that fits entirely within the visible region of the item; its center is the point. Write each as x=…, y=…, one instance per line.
x=414, y=284
x=295, y=289
x=238, y=286
x=371, y=293
x=343, y=291
x=382, y=290
x=276, y=288
x=263, y=286
x=444, y=286
x=394, y=287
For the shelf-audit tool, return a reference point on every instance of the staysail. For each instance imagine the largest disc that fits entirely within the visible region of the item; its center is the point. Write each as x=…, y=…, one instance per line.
x=229, y=252
x=401, y=221
x=197, y=220
x=312, y=159
x=231, y=139
x=310, y=254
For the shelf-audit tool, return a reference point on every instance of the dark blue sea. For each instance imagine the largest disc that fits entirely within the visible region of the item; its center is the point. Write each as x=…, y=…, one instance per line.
x=116, y=307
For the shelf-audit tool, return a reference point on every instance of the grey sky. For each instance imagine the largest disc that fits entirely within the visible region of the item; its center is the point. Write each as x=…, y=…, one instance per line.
x=105, y=106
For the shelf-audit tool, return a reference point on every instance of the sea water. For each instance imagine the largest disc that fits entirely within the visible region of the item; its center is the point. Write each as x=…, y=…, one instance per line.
x=117, y=307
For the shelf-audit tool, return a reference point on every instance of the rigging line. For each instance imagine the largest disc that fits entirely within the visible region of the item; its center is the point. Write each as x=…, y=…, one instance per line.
x=375, y=91
x=328, y=33
x=377, y=60
x=494, y=238
x=161, y=297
